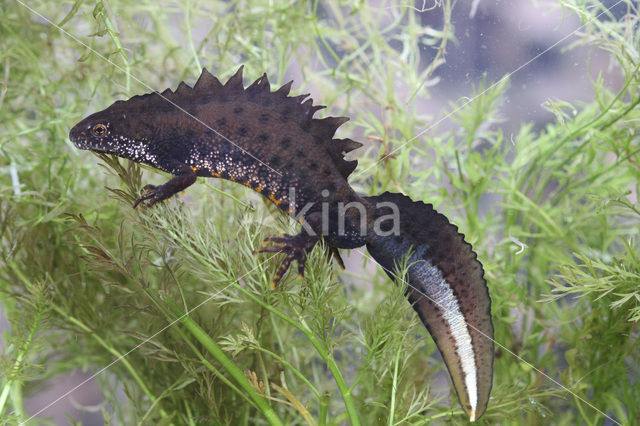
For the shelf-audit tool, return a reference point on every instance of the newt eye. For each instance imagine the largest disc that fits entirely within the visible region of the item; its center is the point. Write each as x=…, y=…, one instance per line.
x=99, y=129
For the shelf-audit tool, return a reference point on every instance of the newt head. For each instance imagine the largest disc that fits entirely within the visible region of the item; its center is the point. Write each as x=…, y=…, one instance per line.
x=114, y=134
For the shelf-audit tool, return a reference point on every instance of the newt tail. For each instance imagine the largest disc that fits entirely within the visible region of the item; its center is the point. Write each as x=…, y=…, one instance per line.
x=271, y=142
x=446, y=287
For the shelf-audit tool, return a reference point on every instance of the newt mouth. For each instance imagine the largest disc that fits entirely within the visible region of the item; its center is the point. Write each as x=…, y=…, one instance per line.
x=75, y=135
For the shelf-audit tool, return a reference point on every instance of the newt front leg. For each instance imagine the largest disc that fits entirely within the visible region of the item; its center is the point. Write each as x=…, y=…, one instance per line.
x=185, y=177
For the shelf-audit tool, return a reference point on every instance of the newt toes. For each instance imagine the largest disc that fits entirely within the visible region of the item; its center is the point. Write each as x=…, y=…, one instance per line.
x=270, y=142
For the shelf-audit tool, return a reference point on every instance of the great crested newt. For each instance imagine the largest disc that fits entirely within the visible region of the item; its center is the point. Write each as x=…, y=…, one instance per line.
x=270, y=142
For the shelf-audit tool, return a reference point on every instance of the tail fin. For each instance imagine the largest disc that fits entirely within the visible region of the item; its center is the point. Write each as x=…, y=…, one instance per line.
x=447, y=289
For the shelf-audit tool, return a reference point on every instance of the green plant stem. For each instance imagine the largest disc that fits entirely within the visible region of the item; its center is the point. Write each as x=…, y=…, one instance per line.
x=16, y=365
x=319, y=33
x=323, y=410
x=294, y=370
x=577, y=132
x=122, y=358
x=324, y=353
x=304, y=328
x=394, y=387
x=113, y=35
x=211, y=367
x=185, y=338
x=265, y=375
x=568, y=188
x=187, y=23
x=226, y=363
x=226, y=194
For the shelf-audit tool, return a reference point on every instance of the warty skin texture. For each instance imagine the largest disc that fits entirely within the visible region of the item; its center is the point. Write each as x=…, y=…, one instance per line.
x=270, y=142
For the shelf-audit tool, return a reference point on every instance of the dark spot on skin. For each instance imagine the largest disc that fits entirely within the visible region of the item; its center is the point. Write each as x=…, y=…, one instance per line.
x=242, y=131
x=327, y=170
x=238, y=110
x=204, y=150
x=331, y=187
x=314, y=166
x=302, y=175
x=285, y=142
x=285, y=114
x=275, y=161
x=300, y=153
x=264, y=118
x=263, y=137
x=221, y=121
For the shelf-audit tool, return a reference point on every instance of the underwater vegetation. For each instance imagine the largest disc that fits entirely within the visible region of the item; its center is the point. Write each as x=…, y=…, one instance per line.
x=90, y=285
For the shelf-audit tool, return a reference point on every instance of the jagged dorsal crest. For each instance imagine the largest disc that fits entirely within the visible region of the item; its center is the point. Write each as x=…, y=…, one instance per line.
x=297, y=109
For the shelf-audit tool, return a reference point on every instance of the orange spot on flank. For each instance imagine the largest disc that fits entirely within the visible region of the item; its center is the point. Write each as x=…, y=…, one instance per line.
x=259, y=188
x=273, y=198
x=195, y=169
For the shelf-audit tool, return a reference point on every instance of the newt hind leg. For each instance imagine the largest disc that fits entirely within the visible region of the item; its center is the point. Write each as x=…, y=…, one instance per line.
x=295, y=247
x=332, y=252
